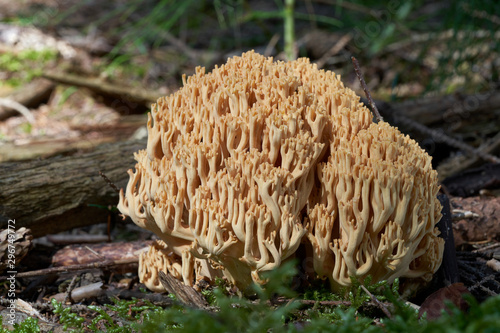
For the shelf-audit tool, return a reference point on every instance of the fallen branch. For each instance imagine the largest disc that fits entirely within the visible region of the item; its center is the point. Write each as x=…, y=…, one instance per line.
x=78, y=254
x=68, y=295
x=142, y=96
x=74, y=268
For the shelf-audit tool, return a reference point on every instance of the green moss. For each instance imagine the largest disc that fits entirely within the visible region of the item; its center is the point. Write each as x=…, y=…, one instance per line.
x=24, y=65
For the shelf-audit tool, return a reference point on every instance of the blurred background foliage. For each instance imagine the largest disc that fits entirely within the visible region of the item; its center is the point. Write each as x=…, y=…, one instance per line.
x=408, y=48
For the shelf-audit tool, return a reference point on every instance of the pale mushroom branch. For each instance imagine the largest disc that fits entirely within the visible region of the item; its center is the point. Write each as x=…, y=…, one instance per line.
x=256, y=160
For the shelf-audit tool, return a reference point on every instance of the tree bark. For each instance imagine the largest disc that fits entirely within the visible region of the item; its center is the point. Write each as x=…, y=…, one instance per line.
x=62, y=193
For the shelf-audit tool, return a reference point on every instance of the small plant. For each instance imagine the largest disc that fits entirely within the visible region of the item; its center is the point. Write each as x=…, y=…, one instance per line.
x=30, y=325
x=66, y=317
x=233, y=314
x=122, y=317
x=243, y=315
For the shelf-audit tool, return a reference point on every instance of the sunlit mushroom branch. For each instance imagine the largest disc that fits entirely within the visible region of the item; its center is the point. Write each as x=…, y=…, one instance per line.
x=247, y=162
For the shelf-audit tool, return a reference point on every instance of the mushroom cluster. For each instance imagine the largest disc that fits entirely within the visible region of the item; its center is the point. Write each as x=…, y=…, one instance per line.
x=250, y=161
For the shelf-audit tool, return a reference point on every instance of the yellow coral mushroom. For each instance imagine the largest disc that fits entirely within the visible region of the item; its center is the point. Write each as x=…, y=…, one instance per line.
x=246, y=163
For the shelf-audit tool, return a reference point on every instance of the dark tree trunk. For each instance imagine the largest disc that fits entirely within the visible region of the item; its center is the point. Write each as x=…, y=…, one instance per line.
x=61, y=193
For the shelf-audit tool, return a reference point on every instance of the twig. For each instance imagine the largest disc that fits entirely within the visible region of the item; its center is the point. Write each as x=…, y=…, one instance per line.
x=74, y=268
x=377, y=302
x=162, y=300
x=365, y=88
x=488, y=248
x=440, y=38
x=98, y=255
x=482, y=285
x=69, y=290
x=481, y=14
x=110, y=183
x=325, y=303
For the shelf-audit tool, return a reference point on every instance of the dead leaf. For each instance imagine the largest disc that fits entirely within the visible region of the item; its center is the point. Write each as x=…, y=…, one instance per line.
x=435, y=303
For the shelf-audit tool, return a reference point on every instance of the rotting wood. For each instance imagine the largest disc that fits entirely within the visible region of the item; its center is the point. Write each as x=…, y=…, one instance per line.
x=483, y=228
x=79, y=254
x=61, y=193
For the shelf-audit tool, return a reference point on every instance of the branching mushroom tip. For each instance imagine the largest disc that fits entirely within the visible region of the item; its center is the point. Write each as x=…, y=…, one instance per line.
x=256, y=160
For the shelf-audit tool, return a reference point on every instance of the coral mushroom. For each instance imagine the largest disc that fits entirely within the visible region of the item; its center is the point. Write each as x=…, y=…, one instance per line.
x=246, y=163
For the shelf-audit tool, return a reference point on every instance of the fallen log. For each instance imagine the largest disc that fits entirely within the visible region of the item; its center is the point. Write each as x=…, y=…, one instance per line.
x=61, y=193
x=434, y=111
